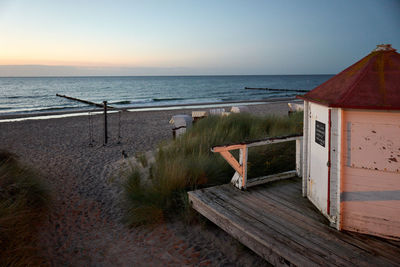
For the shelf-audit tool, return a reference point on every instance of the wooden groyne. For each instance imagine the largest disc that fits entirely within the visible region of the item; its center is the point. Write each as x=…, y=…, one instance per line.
x=83, y=101
x=277, y=90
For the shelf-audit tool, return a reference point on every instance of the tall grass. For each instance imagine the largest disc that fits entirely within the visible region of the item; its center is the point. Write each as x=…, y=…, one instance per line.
x=187, y=163
x=23, y=203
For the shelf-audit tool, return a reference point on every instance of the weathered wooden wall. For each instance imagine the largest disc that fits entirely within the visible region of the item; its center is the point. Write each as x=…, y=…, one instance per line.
x=370, y=180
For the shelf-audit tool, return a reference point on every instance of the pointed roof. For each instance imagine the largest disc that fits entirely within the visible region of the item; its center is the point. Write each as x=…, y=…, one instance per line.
x=371, y=83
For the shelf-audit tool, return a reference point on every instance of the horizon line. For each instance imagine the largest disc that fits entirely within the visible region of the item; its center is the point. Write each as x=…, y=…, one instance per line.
x=165, y=75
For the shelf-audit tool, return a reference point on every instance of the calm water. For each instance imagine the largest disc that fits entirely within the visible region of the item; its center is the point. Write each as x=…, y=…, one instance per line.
x=28, y=95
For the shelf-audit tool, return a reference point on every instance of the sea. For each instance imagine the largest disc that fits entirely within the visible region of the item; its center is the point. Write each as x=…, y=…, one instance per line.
x=22, y=95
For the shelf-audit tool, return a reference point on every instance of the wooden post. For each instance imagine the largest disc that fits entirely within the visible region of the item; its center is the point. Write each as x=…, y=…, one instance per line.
x=90, y=129
x=105, y=122
x=119, y=126
x=299, y=157
x=305, y=151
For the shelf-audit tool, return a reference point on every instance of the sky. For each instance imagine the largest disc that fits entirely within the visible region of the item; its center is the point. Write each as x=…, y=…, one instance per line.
x=168, y=37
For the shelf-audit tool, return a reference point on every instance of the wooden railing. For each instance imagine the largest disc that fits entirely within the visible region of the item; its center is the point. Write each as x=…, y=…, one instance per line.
x=239, y=179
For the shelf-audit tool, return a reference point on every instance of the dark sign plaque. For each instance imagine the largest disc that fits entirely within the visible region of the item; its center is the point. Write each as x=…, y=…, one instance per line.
x=320, y=133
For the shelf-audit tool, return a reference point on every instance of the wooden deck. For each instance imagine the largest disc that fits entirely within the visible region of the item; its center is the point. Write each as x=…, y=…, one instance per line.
x=284, y=228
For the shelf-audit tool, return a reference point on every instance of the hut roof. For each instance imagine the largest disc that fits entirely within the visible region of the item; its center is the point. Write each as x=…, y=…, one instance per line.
x=371, y=83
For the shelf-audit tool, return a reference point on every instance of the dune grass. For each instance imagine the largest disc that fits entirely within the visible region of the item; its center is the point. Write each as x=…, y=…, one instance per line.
x=24, y=201
x=187, y=163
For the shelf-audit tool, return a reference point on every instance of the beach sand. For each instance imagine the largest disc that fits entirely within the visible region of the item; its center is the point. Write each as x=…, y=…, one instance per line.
x=84, y=227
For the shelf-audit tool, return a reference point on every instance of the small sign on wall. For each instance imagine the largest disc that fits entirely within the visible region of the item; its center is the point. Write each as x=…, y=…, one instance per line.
x=320, y=133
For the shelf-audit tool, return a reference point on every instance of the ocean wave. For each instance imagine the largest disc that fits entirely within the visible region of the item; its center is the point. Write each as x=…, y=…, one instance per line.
x=167, y=99
x=38, y=110
x=141, y=91
x=123, y=102
x=228, y=99
x=134, y=102
x=25, y=96
x=145, y=101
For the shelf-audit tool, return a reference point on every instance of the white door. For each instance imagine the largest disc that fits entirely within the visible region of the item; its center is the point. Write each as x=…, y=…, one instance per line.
x=318, y=169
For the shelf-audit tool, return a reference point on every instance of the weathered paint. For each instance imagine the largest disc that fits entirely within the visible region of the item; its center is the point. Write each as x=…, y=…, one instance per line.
x=336, y=118
x=382, y=218
x=375, y=146
x=243, y=156
x=369, y=180
x=370, y=197
x=305, y=148
x=232, y=161
x=329, y=163
x=299, y=157
x=318, y=161
x=239, y=179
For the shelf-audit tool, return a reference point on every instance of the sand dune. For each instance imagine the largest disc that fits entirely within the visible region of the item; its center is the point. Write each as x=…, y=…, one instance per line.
x=84, y=226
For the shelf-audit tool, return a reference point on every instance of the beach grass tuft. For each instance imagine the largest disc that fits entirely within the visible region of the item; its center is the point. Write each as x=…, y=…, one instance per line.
x=24, y=201
x=187, y=163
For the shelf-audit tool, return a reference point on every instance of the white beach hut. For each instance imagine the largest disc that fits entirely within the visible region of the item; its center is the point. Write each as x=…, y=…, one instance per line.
x=351, y=149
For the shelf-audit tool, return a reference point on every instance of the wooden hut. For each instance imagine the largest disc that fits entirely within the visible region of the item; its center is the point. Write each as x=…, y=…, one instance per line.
x=351, y=148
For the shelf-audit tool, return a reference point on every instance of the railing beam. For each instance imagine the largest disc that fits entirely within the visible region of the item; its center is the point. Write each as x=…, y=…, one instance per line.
x=239, y=179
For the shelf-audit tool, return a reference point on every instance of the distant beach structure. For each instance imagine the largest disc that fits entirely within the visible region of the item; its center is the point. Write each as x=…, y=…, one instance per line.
x=351, y=146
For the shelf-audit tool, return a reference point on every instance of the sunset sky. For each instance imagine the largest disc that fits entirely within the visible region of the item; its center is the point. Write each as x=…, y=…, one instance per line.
x=45, y=38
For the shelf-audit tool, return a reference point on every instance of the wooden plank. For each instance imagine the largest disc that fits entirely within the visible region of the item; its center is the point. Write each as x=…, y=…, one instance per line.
x=321, y=234
x=290, y=242
x=266, y=141
x=373, y=245
x=235, y=230
x=274, y=141
x=376, y=245
x=299, y=157
x=232, y=161
x=379, y=218
x=226, y=148
x=277, y=212
x=298, y=205
x=243, y=157
x=286, y=226
x=270, y=178
x=267, y=243
x=308, y=215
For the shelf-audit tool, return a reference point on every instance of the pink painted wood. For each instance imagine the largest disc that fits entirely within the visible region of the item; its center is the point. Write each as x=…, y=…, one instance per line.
x=232, y=161
x=369, y=198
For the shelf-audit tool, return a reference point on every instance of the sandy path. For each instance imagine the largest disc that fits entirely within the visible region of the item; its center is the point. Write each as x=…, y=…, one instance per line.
x=84, y=227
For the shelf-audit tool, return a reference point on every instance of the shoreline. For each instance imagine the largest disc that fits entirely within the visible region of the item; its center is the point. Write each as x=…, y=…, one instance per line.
x=95, y=111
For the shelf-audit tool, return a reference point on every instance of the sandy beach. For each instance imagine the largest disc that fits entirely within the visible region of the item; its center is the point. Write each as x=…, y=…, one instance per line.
x=84, y=227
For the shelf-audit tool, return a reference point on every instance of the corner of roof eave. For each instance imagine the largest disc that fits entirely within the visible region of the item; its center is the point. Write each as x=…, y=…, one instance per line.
x=316, y=101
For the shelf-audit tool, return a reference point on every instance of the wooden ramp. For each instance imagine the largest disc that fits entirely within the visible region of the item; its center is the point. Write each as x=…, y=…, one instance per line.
x=284, y=228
